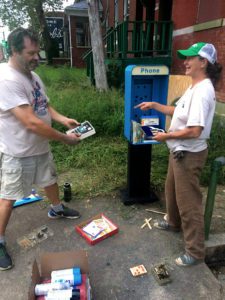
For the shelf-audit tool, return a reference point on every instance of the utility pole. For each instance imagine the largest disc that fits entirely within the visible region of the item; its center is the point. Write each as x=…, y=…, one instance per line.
x=97, y=46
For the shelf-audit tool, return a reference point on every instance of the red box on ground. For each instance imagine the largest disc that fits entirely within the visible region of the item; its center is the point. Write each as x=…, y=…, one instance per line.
x=97, y=229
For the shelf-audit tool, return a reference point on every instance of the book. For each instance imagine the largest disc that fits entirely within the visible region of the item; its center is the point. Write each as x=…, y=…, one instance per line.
x=93, y=229
x=96, y=229
x=141, y=134
x=85, y=129
x=137, y=133
x=150, y=131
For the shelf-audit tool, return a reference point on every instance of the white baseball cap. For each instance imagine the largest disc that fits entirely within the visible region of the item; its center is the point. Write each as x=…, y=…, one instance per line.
x=205, y=50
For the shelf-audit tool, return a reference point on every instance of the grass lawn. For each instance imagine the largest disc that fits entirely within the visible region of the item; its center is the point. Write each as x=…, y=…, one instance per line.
x=98, y=165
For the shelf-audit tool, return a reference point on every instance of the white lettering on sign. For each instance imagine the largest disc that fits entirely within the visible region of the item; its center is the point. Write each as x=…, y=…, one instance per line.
x=150, y=70
x=56, y=33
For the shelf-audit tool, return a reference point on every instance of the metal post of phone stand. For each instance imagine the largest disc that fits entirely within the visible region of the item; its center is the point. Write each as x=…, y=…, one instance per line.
x=138, y=175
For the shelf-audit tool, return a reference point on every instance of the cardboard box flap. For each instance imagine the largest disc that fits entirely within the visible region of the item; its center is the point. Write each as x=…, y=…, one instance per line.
x=35, y=278
x=63, y=260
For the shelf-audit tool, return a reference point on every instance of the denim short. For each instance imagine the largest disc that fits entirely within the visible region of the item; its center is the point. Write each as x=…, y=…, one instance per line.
x=19, y=174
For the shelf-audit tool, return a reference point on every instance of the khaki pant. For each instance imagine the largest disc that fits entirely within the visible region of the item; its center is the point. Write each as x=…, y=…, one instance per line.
x=18, y=174
x=184, y=200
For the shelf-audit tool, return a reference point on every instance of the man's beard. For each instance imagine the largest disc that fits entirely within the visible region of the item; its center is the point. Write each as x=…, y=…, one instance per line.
x=33, y=65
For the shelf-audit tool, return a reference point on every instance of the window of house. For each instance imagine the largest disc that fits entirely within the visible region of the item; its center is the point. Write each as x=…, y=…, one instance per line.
x=82, y=34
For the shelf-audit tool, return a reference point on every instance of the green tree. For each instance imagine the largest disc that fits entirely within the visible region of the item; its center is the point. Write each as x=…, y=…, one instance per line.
x=17, y=13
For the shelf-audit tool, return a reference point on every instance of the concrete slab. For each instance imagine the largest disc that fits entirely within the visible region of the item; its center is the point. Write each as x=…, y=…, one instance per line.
x=111, y=259
x=215, y=250
x=215, y=240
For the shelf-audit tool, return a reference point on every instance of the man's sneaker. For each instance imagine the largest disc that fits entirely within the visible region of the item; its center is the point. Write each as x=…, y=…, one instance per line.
x=67, y=212
x=5, y=259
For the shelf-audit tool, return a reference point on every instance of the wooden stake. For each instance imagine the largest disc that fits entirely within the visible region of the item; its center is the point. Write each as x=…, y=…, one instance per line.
x=155, y=211
x=147, y=223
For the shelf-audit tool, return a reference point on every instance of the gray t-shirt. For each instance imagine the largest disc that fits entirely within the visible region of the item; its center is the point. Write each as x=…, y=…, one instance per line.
x=16, y=89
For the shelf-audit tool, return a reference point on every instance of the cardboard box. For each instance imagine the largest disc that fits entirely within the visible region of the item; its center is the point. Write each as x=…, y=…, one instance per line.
x=93, y=240
x=51, y=261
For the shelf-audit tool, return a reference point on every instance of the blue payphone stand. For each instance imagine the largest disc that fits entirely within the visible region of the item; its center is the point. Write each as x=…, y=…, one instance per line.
x=142, y=84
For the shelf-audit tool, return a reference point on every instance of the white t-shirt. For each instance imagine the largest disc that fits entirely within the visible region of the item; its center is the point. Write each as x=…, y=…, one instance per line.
x=195, y=108
x=16, y=89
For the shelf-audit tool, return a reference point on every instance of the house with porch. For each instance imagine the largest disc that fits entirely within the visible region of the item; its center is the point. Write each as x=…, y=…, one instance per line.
x=147, y=32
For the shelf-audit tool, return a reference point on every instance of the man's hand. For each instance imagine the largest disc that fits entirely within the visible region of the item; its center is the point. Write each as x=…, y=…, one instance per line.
x=72, y=139
x=67, y=122
x=70, y=123
x=25, y=114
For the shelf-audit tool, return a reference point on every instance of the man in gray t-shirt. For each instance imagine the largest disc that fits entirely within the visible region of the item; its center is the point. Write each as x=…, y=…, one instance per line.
x=25, y=129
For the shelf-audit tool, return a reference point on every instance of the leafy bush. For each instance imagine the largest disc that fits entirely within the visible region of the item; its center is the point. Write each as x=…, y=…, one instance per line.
x=115, y=74
x=216, y=149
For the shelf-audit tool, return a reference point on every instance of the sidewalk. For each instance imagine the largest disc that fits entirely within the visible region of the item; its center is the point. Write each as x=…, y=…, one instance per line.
x=111, y=259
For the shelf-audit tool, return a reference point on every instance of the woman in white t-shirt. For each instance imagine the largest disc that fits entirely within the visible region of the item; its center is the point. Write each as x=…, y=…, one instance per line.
x=187, y=140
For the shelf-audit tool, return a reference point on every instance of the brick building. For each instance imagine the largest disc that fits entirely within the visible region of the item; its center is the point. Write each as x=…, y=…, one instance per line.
x=79, y=36
x=193, y=21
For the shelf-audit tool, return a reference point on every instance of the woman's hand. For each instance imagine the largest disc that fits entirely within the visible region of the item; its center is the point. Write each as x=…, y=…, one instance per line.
x=145, y=105
x=165, y=109
x=160, y=137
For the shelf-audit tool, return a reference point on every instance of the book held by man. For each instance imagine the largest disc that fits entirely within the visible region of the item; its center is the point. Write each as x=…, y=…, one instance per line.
x=85, y=129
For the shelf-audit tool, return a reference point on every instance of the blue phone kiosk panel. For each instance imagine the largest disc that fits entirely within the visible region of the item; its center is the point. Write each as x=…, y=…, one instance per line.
x=144, y=84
